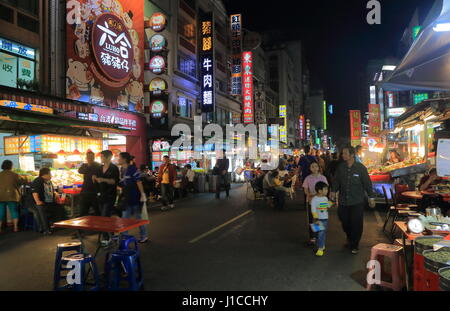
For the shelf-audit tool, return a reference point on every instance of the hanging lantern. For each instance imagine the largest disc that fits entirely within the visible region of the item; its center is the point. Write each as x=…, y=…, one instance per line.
x=61, y=153
x=76, y=152
x=414, y=148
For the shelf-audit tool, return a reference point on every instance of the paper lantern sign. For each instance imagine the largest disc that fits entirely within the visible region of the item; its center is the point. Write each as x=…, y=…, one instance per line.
x=157, y=108
x=157, y=64
x=157, y=85
x=158, y=43
x=158, y=22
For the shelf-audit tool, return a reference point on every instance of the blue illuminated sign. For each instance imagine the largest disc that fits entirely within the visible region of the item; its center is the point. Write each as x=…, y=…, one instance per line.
x=17, y=49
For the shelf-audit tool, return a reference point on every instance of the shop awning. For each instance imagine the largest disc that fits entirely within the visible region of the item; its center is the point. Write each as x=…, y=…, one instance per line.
x=29, y=122
x=426, y=66
x=434, y=109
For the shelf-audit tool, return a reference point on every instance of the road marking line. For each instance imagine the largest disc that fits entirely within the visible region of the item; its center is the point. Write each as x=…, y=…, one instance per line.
x=220, y=227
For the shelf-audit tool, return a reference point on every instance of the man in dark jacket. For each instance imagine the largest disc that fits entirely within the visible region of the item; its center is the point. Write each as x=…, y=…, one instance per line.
x=352, y=183
x=166, y=178
x=221, y=170
x=89, y=190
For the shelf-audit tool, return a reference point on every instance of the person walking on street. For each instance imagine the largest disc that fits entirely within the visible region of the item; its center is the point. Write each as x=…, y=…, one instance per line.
x=309, y=186
x=132, y=197
x=107, y=180
x=89, y=190
x=9, y=193
x=166, y=178
x=319, y=211
x=351, y=185
x=221, y=170
x=305, y=162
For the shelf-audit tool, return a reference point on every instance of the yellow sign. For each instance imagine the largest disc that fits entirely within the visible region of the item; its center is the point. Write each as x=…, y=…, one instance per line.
x=25, y=106
x=283, y=132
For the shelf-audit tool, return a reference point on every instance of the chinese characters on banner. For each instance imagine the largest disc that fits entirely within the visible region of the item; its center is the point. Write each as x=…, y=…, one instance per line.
x=207, y=63
x=302, y=126
x=247, y=62
x=236, y=50
x=283, y=133
x=105, y=44
x=374, y=120
x=355, y=127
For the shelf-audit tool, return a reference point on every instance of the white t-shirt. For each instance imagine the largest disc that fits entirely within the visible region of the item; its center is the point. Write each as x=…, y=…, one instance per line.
x=320, y=206
x=190, y=175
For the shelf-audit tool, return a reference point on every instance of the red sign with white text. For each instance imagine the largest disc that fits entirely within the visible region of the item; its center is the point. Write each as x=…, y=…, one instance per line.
x=302, y=127
x=247, y=86
x=355, y=124
x=374, y=120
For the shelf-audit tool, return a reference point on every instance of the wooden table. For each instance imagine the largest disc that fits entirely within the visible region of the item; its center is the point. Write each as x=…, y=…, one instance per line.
x=100, y=224
x=415, y=195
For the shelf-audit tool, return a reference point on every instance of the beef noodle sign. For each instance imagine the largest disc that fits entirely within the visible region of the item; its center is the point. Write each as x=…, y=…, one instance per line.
x=111, y=44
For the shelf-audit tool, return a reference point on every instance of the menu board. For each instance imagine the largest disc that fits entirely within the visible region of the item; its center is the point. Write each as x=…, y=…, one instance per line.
x=12, y=144
x=51, y=144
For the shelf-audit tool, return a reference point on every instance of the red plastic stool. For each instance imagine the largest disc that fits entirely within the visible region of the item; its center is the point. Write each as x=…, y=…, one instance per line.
x=394, y=252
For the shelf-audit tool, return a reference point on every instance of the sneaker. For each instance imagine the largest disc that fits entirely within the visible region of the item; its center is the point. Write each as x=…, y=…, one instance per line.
x=355, y=251
x=164, y=208
x=172, y=205
x=319, y=252
x=144, y=240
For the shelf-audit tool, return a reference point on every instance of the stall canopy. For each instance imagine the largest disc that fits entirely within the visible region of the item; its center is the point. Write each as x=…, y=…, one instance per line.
x=426, y=66
x=29, y=122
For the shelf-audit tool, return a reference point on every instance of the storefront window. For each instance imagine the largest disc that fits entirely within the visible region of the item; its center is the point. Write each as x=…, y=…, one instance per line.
x=186, y=65
x=186, y=29
x=184, y=108
x=17, y=65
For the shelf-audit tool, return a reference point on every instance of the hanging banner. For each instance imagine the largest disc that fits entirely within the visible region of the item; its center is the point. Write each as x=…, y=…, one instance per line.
x=207, y=62
x=282, y=129
x=374, y=120
x=302, y=126
x=247, y=85
x=104, y=43
x=355, y=125
x=236, y=50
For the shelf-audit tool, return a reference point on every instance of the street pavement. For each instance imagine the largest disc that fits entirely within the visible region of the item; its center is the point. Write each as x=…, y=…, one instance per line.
x=230, y=244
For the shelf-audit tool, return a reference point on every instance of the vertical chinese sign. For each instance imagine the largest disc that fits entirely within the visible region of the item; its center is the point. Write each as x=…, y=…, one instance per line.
x=374, y=120
x=355, y=127
x=302, y=127
x=283, y=133
x=247, y=62
x=308, y=130
x=236, y=50
x=207, y=62
x=105, y=44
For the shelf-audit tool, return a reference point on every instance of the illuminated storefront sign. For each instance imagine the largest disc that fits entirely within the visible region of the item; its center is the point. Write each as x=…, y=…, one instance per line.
x=236, y=50
x=158, y=43
x=207, y=63
x=390, y=99
x=25, y=106
x=157, y=65
x=157, y=108
x=247, y=63
x=418, y=98
x=308, y=129
x=283, y=131
x=157, y=85
x=324, y=115
x=158, y=22
x=104, y=53
x=302, y=126
x=355, y=124
x=395, y=112
x=373, y=94
x=17, y=49
x=374, y=120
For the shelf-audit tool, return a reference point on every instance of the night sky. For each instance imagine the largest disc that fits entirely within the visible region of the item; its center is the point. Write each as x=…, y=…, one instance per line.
x=338, y=41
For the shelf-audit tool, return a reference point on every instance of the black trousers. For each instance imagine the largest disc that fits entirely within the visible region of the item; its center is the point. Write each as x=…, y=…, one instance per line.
x=279, y=197
x=352, y=219
x=47, y=214
x=88, y=200
x=222, y=180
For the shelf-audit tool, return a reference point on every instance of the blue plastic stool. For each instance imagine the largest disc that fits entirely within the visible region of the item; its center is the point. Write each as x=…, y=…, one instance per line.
x=124, y=265
x=60, y=250
x=128, y=240
x=81, y=260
